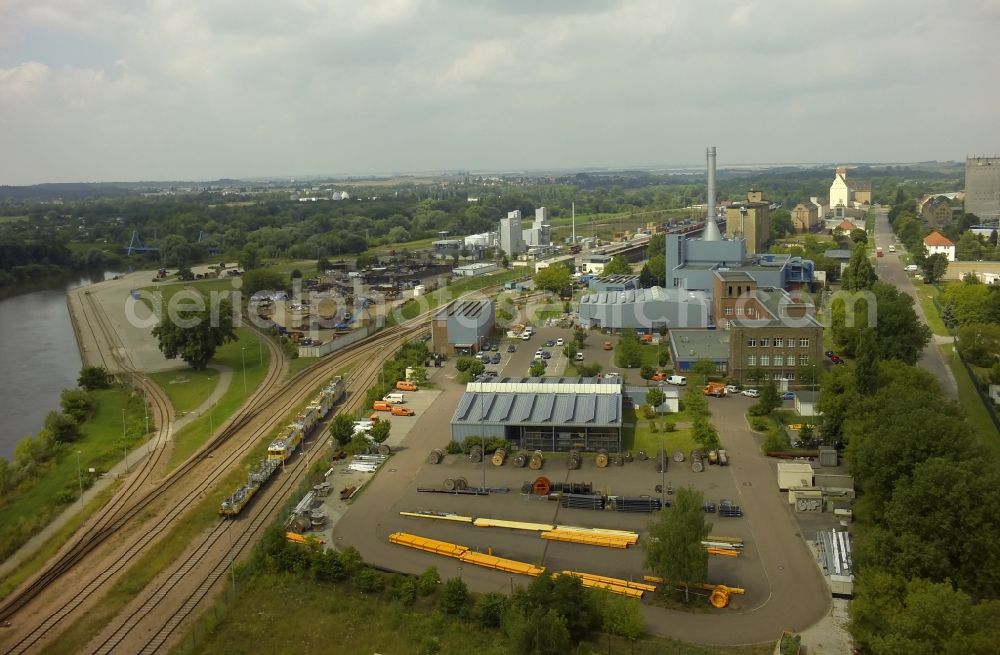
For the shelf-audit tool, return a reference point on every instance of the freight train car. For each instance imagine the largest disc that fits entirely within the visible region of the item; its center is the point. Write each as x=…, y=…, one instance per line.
x=285, y=444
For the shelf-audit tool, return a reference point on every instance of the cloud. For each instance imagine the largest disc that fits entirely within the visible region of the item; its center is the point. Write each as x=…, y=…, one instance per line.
x=113, y=89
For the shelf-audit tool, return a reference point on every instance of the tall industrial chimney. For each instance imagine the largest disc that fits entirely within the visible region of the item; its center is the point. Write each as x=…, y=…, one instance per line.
x=711, y=232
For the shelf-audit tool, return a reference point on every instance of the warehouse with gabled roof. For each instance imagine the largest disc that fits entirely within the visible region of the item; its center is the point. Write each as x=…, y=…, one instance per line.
x=551, y=414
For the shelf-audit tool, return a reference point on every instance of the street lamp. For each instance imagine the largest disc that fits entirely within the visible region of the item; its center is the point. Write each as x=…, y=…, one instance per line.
x=79, y=476
x=124, y=440
x=243, y=360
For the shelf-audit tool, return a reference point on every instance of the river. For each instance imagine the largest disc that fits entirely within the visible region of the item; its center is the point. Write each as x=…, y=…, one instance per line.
x=40, y=358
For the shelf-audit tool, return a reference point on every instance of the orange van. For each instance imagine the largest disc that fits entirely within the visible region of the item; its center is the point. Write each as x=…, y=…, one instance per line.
x=382, y=406
x=406, y=385
x=401, y=411
x=607, y=345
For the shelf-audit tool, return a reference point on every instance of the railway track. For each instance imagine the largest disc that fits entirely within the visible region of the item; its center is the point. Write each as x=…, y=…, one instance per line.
x=269, y=410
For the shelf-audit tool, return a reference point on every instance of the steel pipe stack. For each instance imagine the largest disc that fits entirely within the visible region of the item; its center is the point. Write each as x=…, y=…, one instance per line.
x=573, y=487
x=636, y=504
x=582, y=501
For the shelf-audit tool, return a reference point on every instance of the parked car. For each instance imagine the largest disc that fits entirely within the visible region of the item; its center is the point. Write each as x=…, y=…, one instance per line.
x=538, y=353
x=511, y=348
x=751, y=393
x=659, y=376
x=578, y=357
x=732, y=388
x=560, y=341
x=549, y=343
x=525, y=336
x=495, y=359
x=490, y=374
x=911, y=268
x=611, y=376
x=546, y=354
x=836, y=359
x=788, y=395
x=678, y=380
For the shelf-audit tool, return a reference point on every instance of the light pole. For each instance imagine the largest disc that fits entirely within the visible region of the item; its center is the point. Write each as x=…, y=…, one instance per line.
x=124, y=440
x=243, y=360
x=482, y=437
x=79, y=476
x=260, y=354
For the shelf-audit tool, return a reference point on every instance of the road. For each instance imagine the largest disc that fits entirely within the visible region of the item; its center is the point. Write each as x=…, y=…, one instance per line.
x=890, y=270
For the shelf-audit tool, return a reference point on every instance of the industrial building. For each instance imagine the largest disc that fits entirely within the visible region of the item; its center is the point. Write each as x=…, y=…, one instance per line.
x=761, y=328
x=594, y=263
x=471, y=270
x=605, y=283
x=549, y=414
x=462, y=326
x=539, y=234
x=751, y=220
x=644, y=309
x=849, y=194
x=511, y=238
x=982, y=187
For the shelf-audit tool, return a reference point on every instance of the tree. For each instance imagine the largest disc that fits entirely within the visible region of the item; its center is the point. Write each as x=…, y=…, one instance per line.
x=969, y=248
x=934, y=267
x=970, y=302
x=555, y=278
x=673, y=549
x=428, y=581
x=655, y=397
x=704, y=433
x=617, y=266
x=62, y=427
x=979, y=343
x=322, y=264
x=859, y=274
x=185, y=274
x=296, y=274
x=380, y=431
x=342, y=428
x=261, y=280
x=891, y=615
x=564, y=595
x=455, y=596
x=78, y=404
x=588, y=370
x=175, y=251
x=755, y=375
x=418, y=374
x=769, y=398
x=93, y=377
x=196, y=334
x=570, y=350
x=491, y=608
x=646, y=372
x=866, y=365
x=858, y=235
x=249, y=257
x=901, y=335
x=781, y=224
x=622, y=616
x=702, y=368
x=954, y=535
x=537, y=369
x=629, y=351
x=540, y=632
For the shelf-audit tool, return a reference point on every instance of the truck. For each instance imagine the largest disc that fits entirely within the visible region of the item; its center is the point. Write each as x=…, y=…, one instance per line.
x=716, y=389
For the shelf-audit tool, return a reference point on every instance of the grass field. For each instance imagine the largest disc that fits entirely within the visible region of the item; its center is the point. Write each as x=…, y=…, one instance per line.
x=926, y=293
x=357, y=623
x=638, y=435
x=257, y=359
x=969, y=398
x=100, y=447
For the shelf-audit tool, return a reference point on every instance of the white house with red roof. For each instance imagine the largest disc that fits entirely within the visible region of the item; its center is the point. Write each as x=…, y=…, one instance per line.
x=935, y=242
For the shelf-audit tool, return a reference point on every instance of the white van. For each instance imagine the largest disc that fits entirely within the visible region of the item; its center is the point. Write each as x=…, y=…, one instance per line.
x=394, y=398
x=678, y=380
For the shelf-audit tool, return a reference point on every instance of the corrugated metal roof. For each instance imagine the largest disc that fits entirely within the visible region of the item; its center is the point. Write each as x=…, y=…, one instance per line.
x=538, y=409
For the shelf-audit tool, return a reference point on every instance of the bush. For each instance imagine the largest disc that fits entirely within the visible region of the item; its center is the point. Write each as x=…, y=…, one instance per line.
x=455, y=597
x=669, y=426
x=758, y=424
x=369, y=581
x=428, y=581
x=406, y=591
x=491, y=608
x=453, y=448
x=647, y=372
x=93, y=377
x=776, y=440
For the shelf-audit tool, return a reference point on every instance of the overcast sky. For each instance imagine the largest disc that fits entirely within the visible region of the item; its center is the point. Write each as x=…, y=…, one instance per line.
x=94, y=90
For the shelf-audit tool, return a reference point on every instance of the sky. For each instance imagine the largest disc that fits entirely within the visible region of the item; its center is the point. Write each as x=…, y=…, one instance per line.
x=125, y=90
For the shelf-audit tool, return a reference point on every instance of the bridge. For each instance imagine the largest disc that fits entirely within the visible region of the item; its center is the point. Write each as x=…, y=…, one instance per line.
x=636, y=249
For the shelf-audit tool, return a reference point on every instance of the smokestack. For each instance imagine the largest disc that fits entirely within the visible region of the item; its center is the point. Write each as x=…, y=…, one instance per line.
x=711, y=232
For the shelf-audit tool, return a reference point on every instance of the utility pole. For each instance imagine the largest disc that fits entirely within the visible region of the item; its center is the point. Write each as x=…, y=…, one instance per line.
x=243, y=360
x=124, y=440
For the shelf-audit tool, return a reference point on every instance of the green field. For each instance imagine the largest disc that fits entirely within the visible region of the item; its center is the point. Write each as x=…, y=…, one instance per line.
x=359, y=623
x=637, y=434
x=232, y=354
x=100, y=447
x=926, y=293
x=969, y=398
